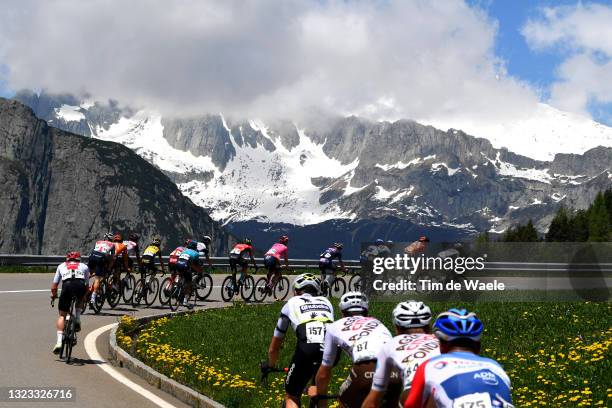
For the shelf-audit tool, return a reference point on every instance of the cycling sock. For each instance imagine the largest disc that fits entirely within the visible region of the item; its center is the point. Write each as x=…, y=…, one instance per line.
x=60, y=335
x=93, y=297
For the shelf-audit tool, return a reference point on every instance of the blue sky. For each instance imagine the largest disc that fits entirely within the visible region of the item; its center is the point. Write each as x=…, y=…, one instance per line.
x=542, y=60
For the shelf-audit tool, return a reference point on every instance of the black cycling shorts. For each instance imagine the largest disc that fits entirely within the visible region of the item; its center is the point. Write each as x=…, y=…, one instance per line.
x=272, y=264
x=356, y=387
x=70, y=288
x=303, y=368
x=185, y=270
x=98, y=264
x=148, y=263
x=237, y=261
x=327, y=267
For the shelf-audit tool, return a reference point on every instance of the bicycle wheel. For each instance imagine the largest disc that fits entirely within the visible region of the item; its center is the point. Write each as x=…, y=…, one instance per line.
x=151, y=288
x=203, y=285
x=355, y=283
x=248, y=288
x=128, y=283
x=175, y=297
x=138, y=293
x=337, y=288
x=227, y=289
x=260, y=294
x=68, y=340
x=165, y=290
x=281, y=289
x=113, y=293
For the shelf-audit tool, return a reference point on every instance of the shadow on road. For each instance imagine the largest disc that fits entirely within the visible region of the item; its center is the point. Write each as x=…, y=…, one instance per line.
x=81, y=362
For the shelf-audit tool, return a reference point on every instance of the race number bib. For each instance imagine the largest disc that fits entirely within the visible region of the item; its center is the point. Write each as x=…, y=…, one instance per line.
x=362, y=350
x=315, y=332
x=477, y=400
x=185, y=257
x=236, y=251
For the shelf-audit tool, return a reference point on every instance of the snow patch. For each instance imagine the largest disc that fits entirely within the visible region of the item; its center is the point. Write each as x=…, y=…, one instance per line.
x=69, y=113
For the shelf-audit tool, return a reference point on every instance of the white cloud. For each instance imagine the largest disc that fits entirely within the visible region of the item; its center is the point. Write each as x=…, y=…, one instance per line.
x=417, y=59
x=584, y=33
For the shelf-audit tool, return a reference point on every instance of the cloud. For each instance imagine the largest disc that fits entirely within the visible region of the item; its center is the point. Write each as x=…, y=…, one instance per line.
x=583, y=33
x=382, y=59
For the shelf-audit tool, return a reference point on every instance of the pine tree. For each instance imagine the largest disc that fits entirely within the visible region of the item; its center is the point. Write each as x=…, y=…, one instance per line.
x=560, y=227
x=599, y=220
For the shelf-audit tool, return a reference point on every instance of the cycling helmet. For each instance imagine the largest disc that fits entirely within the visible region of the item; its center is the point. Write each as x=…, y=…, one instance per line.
x=283, y=239
x=379, y=241
x=117, y=238
x=191, y=244
x=423, y=238
x=133, y=237
x=338, y=245
x=73, y=256
x=354, y=302
x=305, y=280
x=156, y=241
x=206, y=239
x=247, y=241
x=108, y=236
x=458, y=324
x=411, y=314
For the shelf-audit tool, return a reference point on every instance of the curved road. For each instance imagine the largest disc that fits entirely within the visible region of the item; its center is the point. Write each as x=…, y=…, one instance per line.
x=28, y=334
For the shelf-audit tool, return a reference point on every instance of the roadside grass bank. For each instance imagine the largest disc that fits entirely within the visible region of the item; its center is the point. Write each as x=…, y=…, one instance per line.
x=557, y=354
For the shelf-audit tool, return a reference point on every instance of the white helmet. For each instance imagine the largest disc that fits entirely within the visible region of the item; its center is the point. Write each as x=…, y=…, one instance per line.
x=411, y=314
x=354, y=302
x=307, y=279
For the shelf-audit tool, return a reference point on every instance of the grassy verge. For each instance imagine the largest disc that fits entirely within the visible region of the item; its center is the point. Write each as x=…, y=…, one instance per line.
x=557, y=354
x=25, y=269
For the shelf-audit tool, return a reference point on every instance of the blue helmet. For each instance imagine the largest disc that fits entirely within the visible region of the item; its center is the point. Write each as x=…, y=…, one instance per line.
x=458, y=324
x=379, y=241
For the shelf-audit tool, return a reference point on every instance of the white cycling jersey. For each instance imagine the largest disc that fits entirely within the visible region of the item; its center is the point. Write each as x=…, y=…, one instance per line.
x=359, y=336
x=105, y=247
x=403, y=353
x=131, y=247
x=71, y=270
x=311, y=312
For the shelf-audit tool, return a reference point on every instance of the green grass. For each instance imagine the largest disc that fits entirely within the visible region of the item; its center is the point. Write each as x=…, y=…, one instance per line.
x=555, y=353
x=26, y=269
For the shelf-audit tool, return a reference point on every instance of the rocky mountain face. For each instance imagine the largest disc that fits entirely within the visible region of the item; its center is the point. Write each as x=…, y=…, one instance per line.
x=253, y=174
x=63, y=191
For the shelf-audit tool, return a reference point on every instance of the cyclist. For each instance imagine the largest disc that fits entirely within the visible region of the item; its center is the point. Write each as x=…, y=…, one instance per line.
x=74, y=276
x=403, y=354
x=174, y=256
x=121, y=250
x=361, y=337
x=459, y=377
x=100, y=260
x=149, y=254
x=417, y=247
x=272, y=260
x=308, y=313
x=188, y=261
x=204, y=250
x=237, y=258
x=326, y=262
x=132, y=249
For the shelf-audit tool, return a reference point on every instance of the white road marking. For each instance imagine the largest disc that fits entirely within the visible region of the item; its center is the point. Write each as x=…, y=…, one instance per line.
x=25, y=291
x=92, y=351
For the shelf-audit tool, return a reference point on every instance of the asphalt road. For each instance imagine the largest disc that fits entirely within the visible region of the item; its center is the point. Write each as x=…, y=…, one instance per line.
x=28, y=334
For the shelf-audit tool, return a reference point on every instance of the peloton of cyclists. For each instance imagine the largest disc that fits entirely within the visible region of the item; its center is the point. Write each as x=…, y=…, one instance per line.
x=237, y=257
x=308, y=313
x=74, y=276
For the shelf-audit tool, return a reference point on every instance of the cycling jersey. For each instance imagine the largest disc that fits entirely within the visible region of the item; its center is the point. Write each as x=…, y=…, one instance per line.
x=71, y=270
x=459, y=380
x=151, y=251
x=417, y=247
x=328, y=256
x=404, y=353
x=360, y=337
x=307, y=315
x=131, y=246
x=174, y=255
x=104, y=247
x=278, y=251
x=202, y=250
x=240, y=250
x=120, y=248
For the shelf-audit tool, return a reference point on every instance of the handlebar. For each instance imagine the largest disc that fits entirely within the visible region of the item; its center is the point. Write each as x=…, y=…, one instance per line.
x=265, y=371
x=314, y=400
x=53, y=301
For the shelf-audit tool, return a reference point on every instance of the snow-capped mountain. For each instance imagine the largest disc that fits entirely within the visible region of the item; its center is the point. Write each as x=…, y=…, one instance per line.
x=354, y=169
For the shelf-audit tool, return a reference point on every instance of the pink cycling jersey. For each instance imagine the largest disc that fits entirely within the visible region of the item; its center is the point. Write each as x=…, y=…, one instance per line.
x=278, y=251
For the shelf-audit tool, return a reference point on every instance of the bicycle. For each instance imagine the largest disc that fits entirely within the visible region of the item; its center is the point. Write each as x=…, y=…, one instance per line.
x=336, y=289
x=265, y=371
x=202, y=285
x=245, y=286
x=177, y=294
x=165, y=288
x=69, y=337
x=128, y=284
x=146, y=288
x=355, y=284
x=280, y=288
